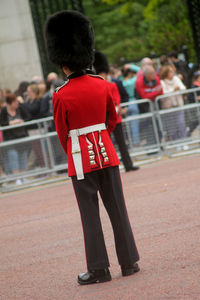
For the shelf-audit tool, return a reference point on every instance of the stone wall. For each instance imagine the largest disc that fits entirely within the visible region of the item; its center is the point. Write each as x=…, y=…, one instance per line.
x=19, y=57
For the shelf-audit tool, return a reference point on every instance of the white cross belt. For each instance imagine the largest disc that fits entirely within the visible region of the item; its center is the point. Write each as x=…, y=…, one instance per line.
x=76, y=150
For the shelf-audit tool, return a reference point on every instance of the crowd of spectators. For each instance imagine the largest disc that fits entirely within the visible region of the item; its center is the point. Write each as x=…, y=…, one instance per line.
x=156, y=77
x=33, y=100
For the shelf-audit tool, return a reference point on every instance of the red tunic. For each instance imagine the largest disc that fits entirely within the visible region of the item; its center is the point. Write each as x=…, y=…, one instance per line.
x=84, y=101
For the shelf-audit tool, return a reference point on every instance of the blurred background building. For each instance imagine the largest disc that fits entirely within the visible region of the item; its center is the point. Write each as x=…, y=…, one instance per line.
x=22, y=47
x=19, y=56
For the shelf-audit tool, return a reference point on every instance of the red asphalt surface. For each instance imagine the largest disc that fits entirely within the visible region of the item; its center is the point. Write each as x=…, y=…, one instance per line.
x=42, y=250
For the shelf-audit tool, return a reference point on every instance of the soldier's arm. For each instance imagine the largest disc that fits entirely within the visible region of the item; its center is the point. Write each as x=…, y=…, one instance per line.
x=111, y=111
x=60, y=119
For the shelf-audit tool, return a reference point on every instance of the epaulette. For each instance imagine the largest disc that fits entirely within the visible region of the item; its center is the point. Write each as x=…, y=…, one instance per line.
x=60, y=87
x=97, y=76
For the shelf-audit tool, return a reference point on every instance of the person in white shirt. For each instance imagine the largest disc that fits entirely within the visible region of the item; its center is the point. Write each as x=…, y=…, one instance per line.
x=174, y=121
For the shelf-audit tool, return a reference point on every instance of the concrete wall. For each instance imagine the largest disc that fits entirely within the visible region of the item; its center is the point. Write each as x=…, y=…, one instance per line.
x=19, y=58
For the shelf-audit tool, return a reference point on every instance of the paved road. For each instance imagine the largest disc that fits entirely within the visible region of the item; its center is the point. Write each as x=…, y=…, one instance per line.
x=41, y=250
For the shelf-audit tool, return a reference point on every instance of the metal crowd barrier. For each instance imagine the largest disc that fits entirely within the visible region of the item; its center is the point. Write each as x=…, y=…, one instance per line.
x=141, y=131
x=41, y=157
x=180, y=125
x=148, y=136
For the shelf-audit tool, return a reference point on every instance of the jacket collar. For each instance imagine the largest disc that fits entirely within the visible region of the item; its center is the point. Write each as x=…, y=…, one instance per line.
x=79, y=73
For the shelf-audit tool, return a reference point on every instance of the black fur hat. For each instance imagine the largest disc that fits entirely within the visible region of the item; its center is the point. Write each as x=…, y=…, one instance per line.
x=101, y=63
x=69, y=40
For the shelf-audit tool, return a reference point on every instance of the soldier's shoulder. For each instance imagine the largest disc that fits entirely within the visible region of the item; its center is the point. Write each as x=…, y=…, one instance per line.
x=96, y=76
x=62, y=86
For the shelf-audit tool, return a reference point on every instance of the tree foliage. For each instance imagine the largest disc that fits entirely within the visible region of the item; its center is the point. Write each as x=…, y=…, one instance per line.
x=130, y=30
x=168, y=24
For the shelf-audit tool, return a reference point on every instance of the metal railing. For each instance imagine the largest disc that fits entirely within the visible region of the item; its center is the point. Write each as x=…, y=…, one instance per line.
x=147, y=137
x=43, y=154
x=141, y=131
x=180, y=125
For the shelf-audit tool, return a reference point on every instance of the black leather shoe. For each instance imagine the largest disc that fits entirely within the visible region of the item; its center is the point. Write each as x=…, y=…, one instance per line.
x=133, y=168
x=94, y=276
x=130, y=269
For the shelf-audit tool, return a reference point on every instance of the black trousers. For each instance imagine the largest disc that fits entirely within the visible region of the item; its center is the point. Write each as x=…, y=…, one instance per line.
x=120, y=140
x=107, y=181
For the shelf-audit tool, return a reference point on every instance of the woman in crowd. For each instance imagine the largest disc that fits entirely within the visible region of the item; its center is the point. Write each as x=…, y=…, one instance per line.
x=21, y=91
x=32, y=103
x=129, y=80
x=174, y=121
x=42, y=89
x=15, y=158
x=33, y=106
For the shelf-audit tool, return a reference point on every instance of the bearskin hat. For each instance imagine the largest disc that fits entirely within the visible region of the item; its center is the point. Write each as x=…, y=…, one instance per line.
x=101, y=63
x=69, y=40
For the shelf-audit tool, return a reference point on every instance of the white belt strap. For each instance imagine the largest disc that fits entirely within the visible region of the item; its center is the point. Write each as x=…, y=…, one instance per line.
x=76, y=154
x=76, y=150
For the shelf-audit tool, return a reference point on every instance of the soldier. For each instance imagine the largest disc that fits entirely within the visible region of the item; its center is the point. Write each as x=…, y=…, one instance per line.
x=81, y=107
x=102, y=68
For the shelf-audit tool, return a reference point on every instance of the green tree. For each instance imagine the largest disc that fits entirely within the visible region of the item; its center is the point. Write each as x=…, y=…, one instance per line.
x=168, y=26
x=117, y=33
x=135, y=28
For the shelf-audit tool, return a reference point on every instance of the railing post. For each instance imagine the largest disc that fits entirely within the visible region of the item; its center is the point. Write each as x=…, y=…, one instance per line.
x=155, y=127
x=49, y=146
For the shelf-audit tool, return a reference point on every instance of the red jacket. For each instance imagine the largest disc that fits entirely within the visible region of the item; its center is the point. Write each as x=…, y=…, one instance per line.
x=145, y=91
x=84, y=101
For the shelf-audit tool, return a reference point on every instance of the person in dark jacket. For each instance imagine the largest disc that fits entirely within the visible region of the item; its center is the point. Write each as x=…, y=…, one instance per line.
x=123, y=93
x=182, y=68
x=15, y=158
x=33, y=102
x=46, y=105
x=196, y=84
x=46, y=110
x=194, y=98
x=22, y=89
x=102, y=68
